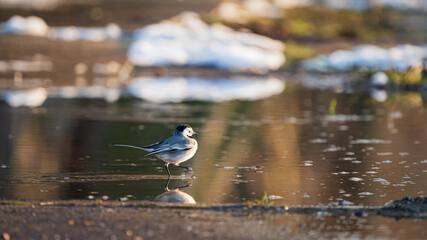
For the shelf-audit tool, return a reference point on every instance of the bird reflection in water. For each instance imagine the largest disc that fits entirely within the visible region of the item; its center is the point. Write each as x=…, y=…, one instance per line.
x=175, y=195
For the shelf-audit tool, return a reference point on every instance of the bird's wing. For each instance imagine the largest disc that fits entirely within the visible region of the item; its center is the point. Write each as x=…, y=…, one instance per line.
x=154, y=145
x=170, y=148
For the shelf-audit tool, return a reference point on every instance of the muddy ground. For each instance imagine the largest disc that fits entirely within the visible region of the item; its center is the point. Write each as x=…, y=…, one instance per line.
x=148, y=220
x=91, y=221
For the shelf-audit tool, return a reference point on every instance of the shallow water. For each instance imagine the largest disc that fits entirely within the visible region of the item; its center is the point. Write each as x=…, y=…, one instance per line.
x=346, y=227
x=290, y=146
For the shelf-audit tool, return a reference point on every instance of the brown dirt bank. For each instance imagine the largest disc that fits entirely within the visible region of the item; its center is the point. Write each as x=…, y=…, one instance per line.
x=85, y=219
x=128, y=221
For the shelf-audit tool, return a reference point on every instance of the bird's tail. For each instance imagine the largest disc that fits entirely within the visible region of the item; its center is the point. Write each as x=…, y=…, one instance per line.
x=131, y=146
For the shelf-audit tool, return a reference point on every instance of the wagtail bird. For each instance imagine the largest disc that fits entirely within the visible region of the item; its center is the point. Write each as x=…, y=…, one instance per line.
x=176, y=149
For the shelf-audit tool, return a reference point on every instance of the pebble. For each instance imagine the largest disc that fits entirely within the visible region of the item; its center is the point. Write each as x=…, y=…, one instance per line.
x=5, y=236
x=71, y=222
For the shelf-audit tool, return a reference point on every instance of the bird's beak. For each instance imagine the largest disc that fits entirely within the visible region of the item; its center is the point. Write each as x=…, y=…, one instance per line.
x=195, y=133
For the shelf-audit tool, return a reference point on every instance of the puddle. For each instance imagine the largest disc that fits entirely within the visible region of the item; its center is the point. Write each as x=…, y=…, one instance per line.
x=351, y=227
x=246, y=149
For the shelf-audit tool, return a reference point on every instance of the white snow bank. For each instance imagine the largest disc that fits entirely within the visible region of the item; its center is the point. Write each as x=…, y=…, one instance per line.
x=243, y=12
x=72, y=33
x=187, y=40
x=400, y=58
x=170, y=89
x=25, y=66
x=109, y=94
x=26, y=98
x=379, y=79
x=37, y=27
x=36, y=97
x=30, y=26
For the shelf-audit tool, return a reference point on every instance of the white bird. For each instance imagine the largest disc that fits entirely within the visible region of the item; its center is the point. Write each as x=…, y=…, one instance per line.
x=176, y=149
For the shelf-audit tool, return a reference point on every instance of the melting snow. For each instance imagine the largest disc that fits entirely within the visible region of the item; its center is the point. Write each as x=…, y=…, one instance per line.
x=37, y=96
x=25, y=66
x=366, y=193
x=332, y=148
x=369, y=56
x=187, y=40
x=273, y=197
x=109, y=94
x=72, y=33
x=348, y=118
x=355, y=179
x=30, y=25
x=36, y=26
x=183, y=40
x=381, y=180
x=164, y=89
x=370, y=141
x=26, y=98
x=174, y=89
x=247, y=10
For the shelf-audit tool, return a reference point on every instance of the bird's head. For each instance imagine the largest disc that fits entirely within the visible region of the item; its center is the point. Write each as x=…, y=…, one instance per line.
x=185, y=130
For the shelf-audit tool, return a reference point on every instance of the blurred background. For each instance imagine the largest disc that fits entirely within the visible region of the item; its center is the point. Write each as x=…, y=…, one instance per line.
x=307, y=101
x=300, y=102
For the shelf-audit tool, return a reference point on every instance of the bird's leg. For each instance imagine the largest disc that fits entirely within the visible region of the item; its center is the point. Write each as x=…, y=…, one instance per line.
x=167, y=184
x=167, y=169
x=184, y=186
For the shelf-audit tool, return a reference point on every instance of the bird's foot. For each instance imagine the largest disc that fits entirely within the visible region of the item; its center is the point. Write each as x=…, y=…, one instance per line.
x=187, y=169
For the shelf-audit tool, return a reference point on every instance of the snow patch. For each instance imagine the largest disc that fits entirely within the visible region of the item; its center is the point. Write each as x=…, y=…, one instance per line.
x=370, y=141
x=25, y=25
x=174, y=89
x=247, y=10
x=400, y=58
x=94, y=34
x=25, y=66
x=36, y=26
x=187, y=40
x=25, y=98
x=109, y=94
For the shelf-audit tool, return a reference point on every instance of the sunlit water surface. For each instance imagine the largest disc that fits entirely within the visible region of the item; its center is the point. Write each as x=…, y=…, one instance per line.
x=296, y=147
